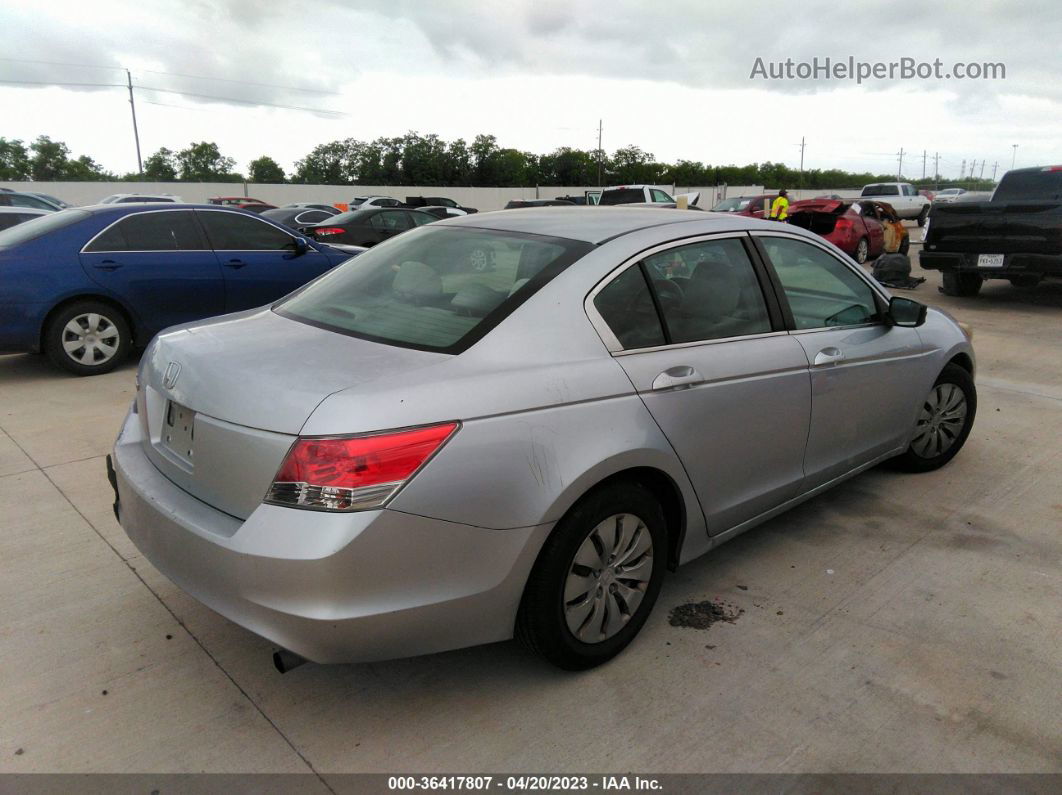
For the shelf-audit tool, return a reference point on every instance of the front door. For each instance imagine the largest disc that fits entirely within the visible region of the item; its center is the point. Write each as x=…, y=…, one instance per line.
x=863, y=405
x=258, y=260
x=727, y=386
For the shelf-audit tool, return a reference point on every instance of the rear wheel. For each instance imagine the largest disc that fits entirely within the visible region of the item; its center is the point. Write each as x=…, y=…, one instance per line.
x=596, y=579
x=944, y=422
x=87, y=338
x=862, y=250
x=964, y=285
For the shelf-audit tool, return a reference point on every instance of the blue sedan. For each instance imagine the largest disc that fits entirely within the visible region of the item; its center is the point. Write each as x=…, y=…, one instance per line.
x=85, y=285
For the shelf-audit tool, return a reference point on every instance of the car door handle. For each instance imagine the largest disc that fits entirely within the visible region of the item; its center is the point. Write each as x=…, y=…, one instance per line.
x=235, y=263
x=107, y=265
x=681, y=377
x=828, y=356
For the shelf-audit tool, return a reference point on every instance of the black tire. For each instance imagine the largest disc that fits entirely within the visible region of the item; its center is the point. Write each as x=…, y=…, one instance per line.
x=540, y=622
x=1026, y=280
x=923, y=215
x=963, y=285
x=911, y=460
x=905, y=246
x=111, y=327
x=862, y=251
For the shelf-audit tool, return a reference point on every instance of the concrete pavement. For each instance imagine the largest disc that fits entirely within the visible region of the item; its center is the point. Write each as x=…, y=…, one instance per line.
x=898, y=623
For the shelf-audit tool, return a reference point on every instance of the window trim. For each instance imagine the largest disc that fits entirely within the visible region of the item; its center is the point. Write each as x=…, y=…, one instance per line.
x=202, y=235
x=763, y=278
x=881, y=298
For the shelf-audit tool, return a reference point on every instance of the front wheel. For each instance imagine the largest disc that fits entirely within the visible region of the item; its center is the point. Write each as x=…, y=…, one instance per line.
x=944, y=422
x=87, y=338
x=923, y=215
x=596, y=579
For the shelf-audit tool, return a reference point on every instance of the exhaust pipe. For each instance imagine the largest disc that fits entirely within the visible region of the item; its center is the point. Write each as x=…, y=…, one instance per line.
x=285, y=660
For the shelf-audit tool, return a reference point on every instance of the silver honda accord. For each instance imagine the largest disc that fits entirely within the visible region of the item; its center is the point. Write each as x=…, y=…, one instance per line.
x=426, y=448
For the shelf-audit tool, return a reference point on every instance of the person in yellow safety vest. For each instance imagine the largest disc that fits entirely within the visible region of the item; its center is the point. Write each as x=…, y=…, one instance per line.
x=780, y=206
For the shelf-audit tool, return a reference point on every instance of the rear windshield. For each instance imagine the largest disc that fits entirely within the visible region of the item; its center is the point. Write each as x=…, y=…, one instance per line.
x=42, y=225
x=434, y=288
x=881, y=190
x=622, y=196
x=732, y=205
x=351, y=215
x=1029, y=186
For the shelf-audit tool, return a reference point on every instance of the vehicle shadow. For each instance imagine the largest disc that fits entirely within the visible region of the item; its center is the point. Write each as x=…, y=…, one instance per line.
x=33, y=367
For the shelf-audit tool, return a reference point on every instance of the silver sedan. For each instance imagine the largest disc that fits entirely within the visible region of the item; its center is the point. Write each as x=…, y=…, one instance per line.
x=416, y=452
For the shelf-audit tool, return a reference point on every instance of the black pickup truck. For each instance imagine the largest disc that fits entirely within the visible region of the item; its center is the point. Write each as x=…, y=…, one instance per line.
x=1016, y=235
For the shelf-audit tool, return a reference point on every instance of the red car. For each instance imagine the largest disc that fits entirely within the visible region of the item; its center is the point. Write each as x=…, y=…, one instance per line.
x=861, y=229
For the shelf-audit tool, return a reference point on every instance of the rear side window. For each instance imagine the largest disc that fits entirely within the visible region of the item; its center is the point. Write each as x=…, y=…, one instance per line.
x=626, y=305
x=622, y=196
x=708, y=291
x=7, y=220
x=390, y=221
x=165, y=231
x=230, y=231
x=311, y=217
x=434, y=288
x=422, y=218
x=821, y=290
x=1030, y=186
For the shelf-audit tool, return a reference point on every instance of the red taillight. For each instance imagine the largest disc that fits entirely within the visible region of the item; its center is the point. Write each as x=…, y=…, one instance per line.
x=328, y=230
x=842, y=225
x=353, y=473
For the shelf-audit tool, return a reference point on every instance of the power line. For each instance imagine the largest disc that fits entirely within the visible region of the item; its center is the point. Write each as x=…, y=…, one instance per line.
x=242, y=82
x=62, y=85
x=58, y=63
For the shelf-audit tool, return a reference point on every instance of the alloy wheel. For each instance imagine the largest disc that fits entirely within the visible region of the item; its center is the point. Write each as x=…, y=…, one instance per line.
x=608, y=578
x=91, y=339
x=940, y=421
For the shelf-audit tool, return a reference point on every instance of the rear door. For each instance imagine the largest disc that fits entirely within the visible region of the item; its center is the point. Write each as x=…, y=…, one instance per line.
x=704, y=346
x=258, y=260
x=159, y=263
x=865, y=375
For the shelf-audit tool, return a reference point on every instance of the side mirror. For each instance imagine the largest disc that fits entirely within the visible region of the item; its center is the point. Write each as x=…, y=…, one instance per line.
x=907, y=313
x=299, y=246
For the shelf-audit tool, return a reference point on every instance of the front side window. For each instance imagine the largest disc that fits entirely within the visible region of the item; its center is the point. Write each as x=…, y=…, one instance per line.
x=165, y=231
x=707, y=291
x=32, y=202
x=423, y=218
x=822, y=291
x=229, y=231
x=626, y=305
x=660, y=196
x=422, y=290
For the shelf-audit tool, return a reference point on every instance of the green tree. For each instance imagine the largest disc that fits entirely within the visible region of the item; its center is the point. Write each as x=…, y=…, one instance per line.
x=265, y=170
x=49, y=159
x=14, y=160
x=161, y=166
x=327, y=164
x=85, y=169
x=203, y=162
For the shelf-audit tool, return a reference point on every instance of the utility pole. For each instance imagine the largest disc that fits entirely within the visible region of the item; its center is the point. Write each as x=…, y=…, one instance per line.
x=936, y=167
x=801, y=145
x=136, y=133
x=994, y=167
x=1013, y=155
x=982, y=174
x=899, y=169
x=962, y=170
x=600, y=122
x=923, y=164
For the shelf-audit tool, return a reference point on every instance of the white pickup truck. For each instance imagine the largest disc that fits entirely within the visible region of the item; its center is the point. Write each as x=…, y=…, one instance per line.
x=903, y=196
x=643, y=194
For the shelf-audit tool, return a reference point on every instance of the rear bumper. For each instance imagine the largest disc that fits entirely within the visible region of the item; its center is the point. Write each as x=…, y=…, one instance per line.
x=330, y=587
x=1013, y=264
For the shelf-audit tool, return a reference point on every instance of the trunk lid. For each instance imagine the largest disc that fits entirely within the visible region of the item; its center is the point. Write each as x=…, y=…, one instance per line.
x=221, y=401
x=1017, y=227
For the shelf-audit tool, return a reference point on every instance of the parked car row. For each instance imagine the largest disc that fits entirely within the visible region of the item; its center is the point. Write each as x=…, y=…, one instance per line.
x=85, y=285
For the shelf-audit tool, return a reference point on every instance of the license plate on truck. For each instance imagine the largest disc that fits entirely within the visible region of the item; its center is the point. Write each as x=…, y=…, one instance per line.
x=178, y=430
x=989, y=260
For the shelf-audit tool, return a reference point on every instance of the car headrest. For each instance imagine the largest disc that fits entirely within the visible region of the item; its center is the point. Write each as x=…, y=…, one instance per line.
x=713, y=290
x=477, y=299
x=416, y=281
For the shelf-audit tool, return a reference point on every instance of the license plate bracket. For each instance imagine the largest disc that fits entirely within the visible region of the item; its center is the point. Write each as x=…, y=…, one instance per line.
x=989, y=260
x=178, y=431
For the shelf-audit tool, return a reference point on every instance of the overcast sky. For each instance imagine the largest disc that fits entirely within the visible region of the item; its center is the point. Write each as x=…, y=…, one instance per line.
x=673, y=78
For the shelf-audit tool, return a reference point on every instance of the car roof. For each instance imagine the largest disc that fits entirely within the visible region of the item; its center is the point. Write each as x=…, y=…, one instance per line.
x=594, y=224
x=22, y=210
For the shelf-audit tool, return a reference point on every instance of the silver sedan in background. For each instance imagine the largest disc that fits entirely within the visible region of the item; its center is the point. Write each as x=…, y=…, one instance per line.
x=410, y=455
